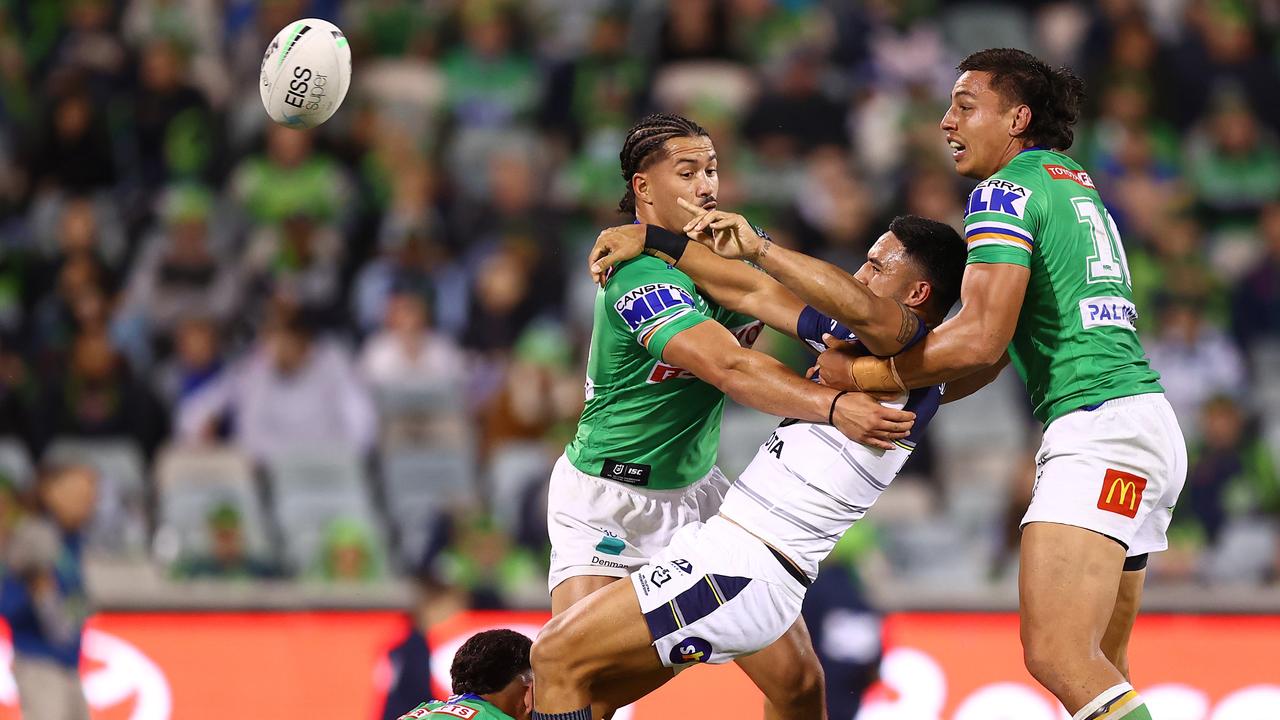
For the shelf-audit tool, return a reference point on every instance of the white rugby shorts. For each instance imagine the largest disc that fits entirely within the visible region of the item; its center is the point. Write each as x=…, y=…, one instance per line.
x=1116, y=470
x=714, y=594
x=608, y=528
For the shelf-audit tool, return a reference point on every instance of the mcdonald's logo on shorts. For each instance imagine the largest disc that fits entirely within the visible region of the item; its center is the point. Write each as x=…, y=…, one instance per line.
x=1121, y=492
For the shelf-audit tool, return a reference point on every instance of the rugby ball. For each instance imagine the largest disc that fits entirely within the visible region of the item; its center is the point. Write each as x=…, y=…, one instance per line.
x=305, y=73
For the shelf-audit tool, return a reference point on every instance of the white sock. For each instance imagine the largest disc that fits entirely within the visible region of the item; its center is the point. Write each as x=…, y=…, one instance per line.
x=1112, y=700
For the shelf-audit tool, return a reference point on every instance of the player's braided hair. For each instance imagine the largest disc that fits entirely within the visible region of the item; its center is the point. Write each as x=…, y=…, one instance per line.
x=1054, y=95
x=645, y=145
x=488, y=661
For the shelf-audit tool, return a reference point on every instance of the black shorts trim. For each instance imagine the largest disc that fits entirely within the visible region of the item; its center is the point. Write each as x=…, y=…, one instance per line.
x=1135, y=563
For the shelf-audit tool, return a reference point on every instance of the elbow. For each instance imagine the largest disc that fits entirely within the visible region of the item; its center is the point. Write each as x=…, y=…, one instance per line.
x=988, y=352
x=729, y=374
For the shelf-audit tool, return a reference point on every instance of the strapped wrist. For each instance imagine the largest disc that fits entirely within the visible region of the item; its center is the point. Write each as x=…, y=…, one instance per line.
x=664, y=244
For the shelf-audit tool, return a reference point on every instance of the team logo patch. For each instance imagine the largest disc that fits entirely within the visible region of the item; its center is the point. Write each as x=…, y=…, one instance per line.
x=640, y=305
x=996, y=195
x=1121, y=492
x=683, y=566
x=1079, y=177
x=691, y=650
x=660, y=576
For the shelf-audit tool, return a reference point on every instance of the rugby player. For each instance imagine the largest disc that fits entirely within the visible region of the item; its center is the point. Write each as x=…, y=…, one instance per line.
x=491, y=680
x=727, y=588
x=1047, y=280
x=662, y=359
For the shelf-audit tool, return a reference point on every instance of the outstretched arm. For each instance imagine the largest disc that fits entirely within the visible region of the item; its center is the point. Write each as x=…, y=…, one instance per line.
x=759, y=381
x=884, y=325
x=973, y=340
x=732, y=284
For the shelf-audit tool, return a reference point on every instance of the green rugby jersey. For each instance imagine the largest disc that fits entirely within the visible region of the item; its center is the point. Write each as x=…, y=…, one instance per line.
x=646, y=422
x=1075, y=344
x=466, y=707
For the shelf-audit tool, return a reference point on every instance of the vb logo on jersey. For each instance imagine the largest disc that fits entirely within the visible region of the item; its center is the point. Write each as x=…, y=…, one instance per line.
x=1121, y=492
x=996, y=195
x=691, y=650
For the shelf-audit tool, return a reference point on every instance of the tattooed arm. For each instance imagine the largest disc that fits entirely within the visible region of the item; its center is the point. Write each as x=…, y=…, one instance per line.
x=883, y=324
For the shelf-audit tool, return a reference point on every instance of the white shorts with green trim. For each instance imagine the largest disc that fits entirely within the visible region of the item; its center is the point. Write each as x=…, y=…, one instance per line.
x=607, y=528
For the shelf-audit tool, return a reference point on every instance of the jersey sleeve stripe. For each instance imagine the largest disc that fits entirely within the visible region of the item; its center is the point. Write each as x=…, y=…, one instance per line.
x=976, y=243
x=997, y=228
x=648, y=334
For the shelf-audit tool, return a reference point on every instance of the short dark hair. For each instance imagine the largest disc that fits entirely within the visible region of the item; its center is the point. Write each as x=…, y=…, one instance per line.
x=645, y=145
x=488, y=661
x=938, y=251
x=1054, y=95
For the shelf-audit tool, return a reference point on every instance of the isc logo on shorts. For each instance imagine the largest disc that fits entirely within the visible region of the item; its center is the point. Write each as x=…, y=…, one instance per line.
x=1121, y=492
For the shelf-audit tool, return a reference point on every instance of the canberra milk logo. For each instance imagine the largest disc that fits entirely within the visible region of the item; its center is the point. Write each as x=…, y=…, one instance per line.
x=122, y=676
x=643, y=303
x=997, y=195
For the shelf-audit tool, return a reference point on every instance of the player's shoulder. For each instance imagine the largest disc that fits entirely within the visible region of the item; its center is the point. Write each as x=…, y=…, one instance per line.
x=1047, y=170
x=1014, y=190
x=643, y=271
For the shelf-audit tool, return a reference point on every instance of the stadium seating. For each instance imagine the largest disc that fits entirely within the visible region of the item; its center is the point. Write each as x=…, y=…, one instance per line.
x=15, y=462
x=192, y=482
x=421, y=485
x=312, y=488
x=120, y=524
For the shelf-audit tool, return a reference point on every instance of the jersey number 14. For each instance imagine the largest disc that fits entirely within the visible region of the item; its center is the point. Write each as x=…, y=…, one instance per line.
x=1108, y=262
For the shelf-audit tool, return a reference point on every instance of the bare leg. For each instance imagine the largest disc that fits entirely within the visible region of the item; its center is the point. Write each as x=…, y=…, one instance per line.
x=575, y=588
x=1068, y=587
x=1115, y=643
x=788, y=674
x=595, y=653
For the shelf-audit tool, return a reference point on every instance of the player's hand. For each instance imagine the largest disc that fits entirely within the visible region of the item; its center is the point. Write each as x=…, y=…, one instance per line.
x=835, y=365
x=728, y=234
x=863, y=419
x=614, y=245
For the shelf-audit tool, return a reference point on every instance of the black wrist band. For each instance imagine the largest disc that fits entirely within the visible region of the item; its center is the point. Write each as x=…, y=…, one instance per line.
x=664, y=244
x=831, y=414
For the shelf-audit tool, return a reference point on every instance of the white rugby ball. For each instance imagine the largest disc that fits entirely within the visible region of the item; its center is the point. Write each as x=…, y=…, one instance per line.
x=305, y=73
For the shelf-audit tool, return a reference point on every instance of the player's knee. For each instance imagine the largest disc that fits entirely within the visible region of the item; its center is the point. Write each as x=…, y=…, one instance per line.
x=1120, y=659
x=802, y=686
x=1049, y=657
x=552, y=655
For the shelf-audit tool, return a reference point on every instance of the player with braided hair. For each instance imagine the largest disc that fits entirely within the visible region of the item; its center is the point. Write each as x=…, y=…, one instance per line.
x=663, y=356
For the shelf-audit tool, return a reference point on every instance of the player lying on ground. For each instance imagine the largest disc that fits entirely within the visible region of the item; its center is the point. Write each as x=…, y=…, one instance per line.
x=663, y=356
x=491, y=680
x=1048, y=281
x=729, y=587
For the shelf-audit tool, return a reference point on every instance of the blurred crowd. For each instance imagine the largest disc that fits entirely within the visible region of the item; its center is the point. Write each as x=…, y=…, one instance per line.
x=354, y=352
